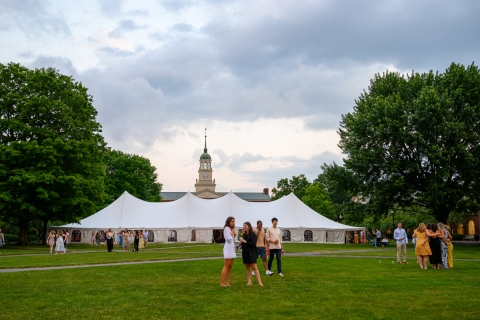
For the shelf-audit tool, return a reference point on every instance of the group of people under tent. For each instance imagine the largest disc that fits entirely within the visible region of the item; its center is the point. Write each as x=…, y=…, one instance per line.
x=123, y=238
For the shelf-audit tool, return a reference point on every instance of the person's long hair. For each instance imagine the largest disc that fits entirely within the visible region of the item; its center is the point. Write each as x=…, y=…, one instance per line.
x=249, y=229
x=421, y=227
x=227, y=222
x=441, y=226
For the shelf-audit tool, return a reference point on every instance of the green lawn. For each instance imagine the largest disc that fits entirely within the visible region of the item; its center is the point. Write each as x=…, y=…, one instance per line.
x=313, y=287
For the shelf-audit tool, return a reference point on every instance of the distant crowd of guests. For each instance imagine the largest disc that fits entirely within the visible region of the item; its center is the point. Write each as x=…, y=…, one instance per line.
x=60, y=240
x=123, y=238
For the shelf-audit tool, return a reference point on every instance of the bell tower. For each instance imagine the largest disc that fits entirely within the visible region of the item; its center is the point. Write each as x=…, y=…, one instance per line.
x=204, y=181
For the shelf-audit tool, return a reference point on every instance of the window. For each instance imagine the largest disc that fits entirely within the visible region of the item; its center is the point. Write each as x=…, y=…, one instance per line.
x=460, y=228
x=76, y=236
x=209, y=166
x=194, y=235
x=471, y=228
x=151, y=236
x=308, y=235
x=286, y=235
x=172, y=236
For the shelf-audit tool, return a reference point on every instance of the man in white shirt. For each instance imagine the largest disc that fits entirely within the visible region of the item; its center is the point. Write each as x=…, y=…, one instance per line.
x=145, y=238
x=400, y=235
x=274, y=239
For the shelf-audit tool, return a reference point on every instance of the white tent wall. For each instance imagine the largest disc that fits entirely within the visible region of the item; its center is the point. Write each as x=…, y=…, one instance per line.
x=319, y=236
x=192, y=213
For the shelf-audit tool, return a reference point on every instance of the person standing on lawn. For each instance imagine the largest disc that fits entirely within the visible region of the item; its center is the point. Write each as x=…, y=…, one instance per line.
x=2, y=240
x=228, y=251
x=145, y=238
x=422, y=246
x=274, y=239
x=109, y=237
x=448, y=235
x=400, y=236
x=59, y=245
x=249, y=253
x=66, y=239
x=261, y=252
x=126, y=244
x=378, y=238
x=51, y=240
x=136, y=241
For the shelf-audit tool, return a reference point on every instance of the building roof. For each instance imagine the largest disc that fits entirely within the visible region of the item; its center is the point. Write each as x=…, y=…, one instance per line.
x=247, y=196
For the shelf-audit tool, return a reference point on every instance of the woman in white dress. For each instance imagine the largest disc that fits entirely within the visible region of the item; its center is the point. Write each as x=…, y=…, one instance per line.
x=59, y=246
x=228, y=251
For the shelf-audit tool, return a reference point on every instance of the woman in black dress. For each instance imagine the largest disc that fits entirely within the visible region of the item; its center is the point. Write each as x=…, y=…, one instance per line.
x=433, y=235
x=136, y=241
x=249, y=253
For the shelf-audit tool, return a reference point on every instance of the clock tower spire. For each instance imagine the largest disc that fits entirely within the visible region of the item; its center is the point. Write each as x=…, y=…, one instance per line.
x=204, y=181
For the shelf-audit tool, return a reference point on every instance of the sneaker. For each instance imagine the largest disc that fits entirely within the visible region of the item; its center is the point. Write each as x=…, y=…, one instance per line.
x=253, y=273
x=269, y=273
x=280, y=274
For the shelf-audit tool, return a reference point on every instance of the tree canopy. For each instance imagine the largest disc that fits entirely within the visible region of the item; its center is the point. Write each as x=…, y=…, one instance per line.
x=414, y=141
x=50, y=148
x=318, y=199
x=285, y=186
x=131, y=173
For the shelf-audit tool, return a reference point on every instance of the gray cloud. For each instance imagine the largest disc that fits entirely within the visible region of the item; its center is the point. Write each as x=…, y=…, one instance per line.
x=111, y=8
x=302, y=59
x=124, y=26
x=117, y=52
x=64, y=65
x=182, y=27
x=176, y=5
x=32, y=17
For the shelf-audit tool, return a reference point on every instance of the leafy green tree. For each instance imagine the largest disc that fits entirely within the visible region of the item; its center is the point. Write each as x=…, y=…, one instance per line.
x=343, y=187
x=414, y=141
x=297, y=185
x=318, y=199
x=50, y=148
x=131, y=173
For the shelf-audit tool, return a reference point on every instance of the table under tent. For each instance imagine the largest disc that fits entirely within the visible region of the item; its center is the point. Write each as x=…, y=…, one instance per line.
x=192, y=219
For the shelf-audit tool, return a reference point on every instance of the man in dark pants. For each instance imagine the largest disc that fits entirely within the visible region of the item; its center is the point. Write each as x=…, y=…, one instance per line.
x=379, y=238
x=274, y=239
x=260, y=233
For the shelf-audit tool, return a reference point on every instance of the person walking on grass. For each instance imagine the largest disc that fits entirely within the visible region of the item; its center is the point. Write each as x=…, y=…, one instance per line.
x=136, y=241
x=261, y=251
x=140, y=240
x=249, y=253
x=422, y=246
x=145, y=238
x=400, y=236
x=97, y=239
x=126, y=244
x=51, y=240
x=274, y=239
x=228, y=251
x=59, y=245
x=92, y=239
x=66, y=239
x=109, y=236
x=2, y=239
x=378, y=238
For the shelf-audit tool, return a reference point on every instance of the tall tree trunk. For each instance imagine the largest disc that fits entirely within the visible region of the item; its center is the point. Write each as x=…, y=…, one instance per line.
x=22, y=233
x=45, y=226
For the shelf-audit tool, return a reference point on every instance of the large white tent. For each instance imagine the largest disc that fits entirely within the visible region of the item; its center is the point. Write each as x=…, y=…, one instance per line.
x=192, y=219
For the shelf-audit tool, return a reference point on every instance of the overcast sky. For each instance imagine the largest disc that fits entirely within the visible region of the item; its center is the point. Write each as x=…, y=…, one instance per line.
x=269, y=79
